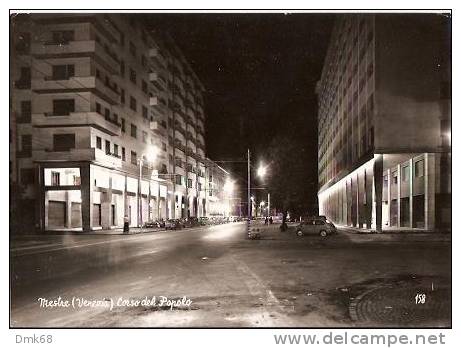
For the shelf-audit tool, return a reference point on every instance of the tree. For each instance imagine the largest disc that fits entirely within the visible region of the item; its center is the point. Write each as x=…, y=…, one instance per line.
x=289, y=181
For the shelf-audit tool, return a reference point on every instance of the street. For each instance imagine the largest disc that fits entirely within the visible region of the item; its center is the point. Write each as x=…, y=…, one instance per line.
x=344, y=280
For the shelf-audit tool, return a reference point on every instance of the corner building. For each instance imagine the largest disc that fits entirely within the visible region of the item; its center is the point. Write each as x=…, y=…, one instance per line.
x=384, y=122
x=92, y=96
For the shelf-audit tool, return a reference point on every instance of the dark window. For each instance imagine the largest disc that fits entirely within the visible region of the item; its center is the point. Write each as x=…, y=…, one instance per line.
x=98, y=143
x=107, y=147
x=24, y=79
x=106, y=113
x=163, y=146
x=144, y=112
x=123, y=154
x=122, y=96
x=23, y=43
x=26, y=110
x=133, y=104
x=134, y=159
x=178, y=180
x=189, y=183
x=62, y=107
x=133, y=76
x=116, y=150
x=144, y=86
x=26, y=144
x=63, y=72
x=55, y=179
x=27, y=176
x=134, y=131
x=132, y=49
x=63, y=37
x=63, y=142
x=122, y=68
x=123, y=125
x=98, y=108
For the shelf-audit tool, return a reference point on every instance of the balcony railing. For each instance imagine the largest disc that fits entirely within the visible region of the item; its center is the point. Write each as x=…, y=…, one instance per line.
x=87, y=48
x=158, y=80
x=91, y=119
x=108, y=93
x=157, y=57
x=22, y=84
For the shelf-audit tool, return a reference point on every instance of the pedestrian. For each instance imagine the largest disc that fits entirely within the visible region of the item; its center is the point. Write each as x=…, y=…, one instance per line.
x=266, y=221
x=126, y=225
x=270, y=220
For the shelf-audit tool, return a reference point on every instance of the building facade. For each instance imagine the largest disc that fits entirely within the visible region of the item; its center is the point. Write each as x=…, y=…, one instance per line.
x=107, y=123
x=384, y=134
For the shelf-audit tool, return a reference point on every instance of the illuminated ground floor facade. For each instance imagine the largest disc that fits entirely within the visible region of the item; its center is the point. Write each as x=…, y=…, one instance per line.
x=84, y=196
x=392, y=191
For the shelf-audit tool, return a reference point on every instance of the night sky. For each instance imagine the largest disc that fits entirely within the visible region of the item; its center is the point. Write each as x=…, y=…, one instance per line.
x=259, y=71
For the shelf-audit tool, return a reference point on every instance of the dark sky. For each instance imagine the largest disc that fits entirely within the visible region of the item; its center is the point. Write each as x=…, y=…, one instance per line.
x=259, y=71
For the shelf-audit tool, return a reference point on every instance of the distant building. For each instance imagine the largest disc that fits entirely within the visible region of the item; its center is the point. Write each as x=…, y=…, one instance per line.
x=93, y=97
x=384, y=141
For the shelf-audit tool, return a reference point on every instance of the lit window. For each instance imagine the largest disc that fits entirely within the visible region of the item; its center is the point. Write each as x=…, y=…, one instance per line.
x=55, y=176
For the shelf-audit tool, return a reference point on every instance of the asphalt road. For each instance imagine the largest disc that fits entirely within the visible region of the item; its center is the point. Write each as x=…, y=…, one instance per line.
x=281, y=280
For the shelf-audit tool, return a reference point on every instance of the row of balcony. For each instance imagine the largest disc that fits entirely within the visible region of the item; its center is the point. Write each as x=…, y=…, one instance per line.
x=92, y=119
x=106, y=92
x=88, y=48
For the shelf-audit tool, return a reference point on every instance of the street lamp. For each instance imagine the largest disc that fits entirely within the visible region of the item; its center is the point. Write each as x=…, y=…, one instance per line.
x=261, y=171
x=150, y=156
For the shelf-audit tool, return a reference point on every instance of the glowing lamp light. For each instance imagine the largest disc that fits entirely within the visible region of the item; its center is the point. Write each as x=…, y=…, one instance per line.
x=229, y=186
x=261, y=171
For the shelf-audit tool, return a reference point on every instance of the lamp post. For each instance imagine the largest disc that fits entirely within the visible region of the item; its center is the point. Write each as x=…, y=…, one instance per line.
x=150, y=157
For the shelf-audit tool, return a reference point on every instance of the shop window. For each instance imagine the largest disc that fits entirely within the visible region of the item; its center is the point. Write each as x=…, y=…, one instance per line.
x=419, y=169
x=55, y=178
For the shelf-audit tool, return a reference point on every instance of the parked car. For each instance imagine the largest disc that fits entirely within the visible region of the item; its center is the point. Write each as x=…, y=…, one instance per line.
x=192, y=222
x=173, y=224
x=203, y=221
x=315, y=227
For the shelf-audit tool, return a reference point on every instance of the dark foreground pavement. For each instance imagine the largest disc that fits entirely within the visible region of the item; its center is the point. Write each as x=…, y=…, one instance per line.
x=281, y=280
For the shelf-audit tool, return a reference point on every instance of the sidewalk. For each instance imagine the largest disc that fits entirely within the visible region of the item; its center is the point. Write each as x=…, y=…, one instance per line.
x=390, y=230
x=396, y=234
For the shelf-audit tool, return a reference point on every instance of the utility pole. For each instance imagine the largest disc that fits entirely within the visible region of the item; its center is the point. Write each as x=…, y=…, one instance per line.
x=268, y=204
x=249, y=195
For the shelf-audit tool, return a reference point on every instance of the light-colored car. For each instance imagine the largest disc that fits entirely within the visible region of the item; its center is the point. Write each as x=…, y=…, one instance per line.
x=315, y=227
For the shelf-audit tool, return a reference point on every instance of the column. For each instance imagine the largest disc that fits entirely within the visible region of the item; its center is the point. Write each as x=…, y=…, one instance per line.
x=399, y=168
x=389, y=184
x=410, y=167
x=87, y=196
x=106, y=203
x=126, y=210
x=68, y=216
x=40, y=203
x=378, y=191
x=429, y=191
x=357, y=203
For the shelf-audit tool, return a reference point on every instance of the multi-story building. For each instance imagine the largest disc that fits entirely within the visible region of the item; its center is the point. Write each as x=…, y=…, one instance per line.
x=384, y=122
x=107, y=123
